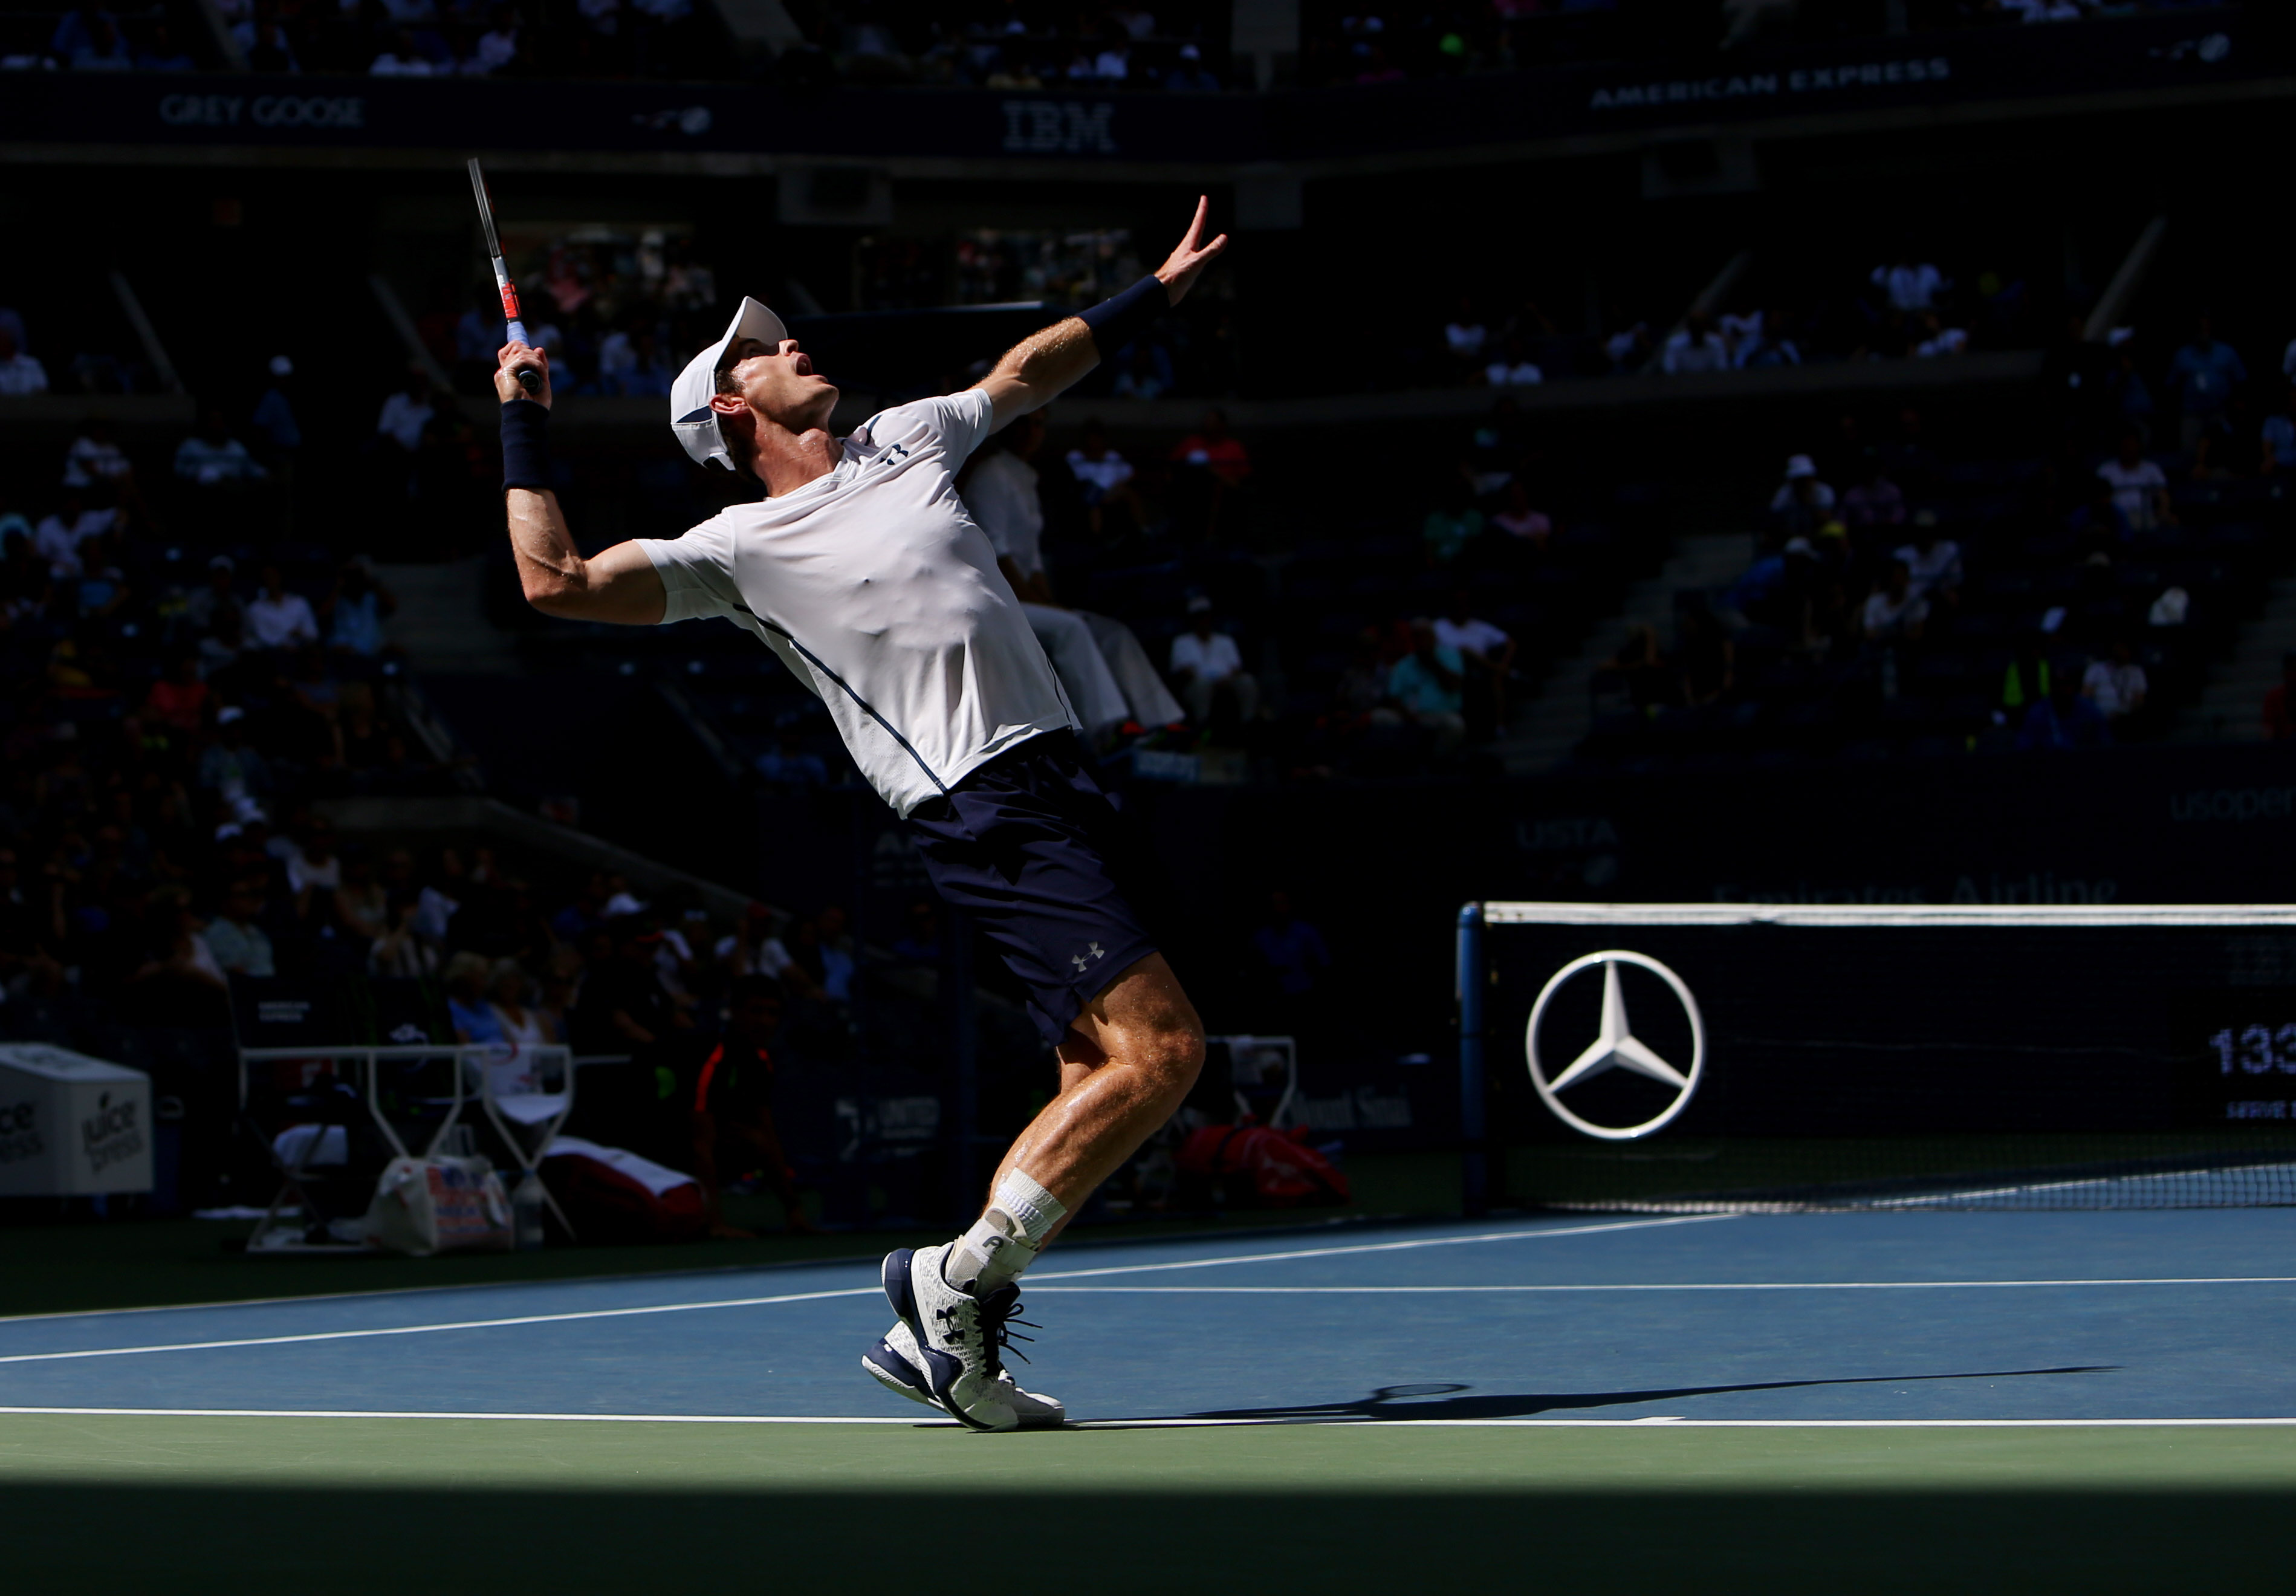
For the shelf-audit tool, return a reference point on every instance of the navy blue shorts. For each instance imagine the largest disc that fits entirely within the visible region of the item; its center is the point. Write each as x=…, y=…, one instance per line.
x=1023, y=844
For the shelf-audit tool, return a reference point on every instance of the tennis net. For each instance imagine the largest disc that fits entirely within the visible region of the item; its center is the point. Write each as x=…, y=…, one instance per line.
x=1716, y=1057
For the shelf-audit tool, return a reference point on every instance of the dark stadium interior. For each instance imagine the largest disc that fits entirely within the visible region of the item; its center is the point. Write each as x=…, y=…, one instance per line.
x=1788, y=452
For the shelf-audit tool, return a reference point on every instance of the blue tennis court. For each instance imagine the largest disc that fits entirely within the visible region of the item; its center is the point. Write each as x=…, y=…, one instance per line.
x=1841, y=1318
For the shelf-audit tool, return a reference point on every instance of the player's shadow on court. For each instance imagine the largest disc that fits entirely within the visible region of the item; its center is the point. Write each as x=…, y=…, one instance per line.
x=1443, y=1400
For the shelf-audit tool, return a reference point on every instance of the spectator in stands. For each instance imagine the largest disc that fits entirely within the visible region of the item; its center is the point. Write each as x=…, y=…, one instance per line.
x=1513, y=368
x=1910, y=286
x=784, y=764
x=313, y=867
x=1453, y=524
x=279, y=617
x=1426, y=685
x=1296, y=966
x=1775, y=343
x=2116, y=684
x=20, y=373
x=1517, y=518
x=268, y=49
x=96, y=457
x=2100, y=523
x=1108, y=674
x=231, y=769
x=212, y=458
x=1218, y=459
x=275, y=416
x=235, y=937
x=212, y=606
x=1465, y=336
x=1488, y=655
x=178, y=699
x=62, y=536
x=88, y=37
x=1207, y=669
x=1106, y=481
x=474, y=1019
x=1872, y=500
x=2064, y=719
x=1628, y=350
x=362, y=903
x=2280, y=703
x=1639, y=665
x=497, y=48
x=356, y=610
x=1932, y=563
x=1802, y=503
x=1694, y=347
x=2139, y=486
x=407, y=413
x=402, y=57
x=2202, y=375
x=734, y=1130
x=919, y=942
x=2023, y=683
x=161, y=53
x=2279, y=437
x=1894, y=612
x=1146, y=373
x=623, y=1007
x=15, y=528
x=510, y=991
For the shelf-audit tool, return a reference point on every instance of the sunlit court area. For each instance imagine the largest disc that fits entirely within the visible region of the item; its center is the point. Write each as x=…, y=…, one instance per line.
x=847, y=794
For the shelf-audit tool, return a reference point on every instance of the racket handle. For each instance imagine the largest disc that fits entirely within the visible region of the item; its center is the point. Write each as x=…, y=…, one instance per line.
x=528, y=377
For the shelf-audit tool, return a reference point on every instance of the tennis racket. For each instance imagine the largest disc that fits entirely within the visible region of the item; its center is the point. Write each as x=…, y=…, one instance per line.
x=529, y=377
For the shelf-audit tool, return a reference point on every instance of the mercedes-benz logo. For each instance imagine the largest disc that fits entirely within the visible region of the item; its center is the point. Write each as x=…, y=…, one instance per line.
x=1615, y=1045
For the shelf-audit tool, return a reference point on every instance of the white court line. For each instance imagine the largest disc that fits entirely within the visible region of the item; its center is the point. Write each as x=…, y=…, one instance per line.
x=753, y=1302
x=427, y=1329
x=2197, y=1280
x=1654, y=1422
x=1334, y=1252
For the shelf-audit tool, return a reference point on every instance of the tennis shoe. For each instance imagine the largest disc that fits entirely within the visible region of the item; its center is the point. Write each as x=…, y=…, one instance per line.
x=895, y=1362
x=960, y=1337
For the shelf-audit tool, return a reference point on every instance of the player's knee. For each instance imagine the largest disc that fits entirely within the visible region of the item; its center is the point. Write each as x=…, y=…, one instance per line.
x=1177, y=1051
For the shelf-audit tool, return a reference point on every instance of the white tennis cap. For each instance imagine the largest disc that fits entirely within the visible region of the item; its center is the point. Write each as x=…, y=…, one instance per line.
x=689, y=416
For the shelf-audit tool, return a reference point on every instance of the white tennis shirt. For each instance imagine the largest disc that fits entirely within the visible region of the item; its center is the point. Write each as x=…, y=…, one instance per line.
x=878, y=591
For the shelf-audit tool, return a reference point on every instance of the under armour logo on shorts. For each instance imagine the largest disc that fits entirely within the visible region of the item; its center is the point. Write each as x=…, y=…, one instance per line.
x=1092, y=950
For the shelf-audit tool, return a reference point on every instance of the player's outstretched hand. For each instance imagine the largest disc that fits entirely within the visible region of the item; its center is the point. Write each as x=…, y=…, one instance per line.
x=508, y=360
x=1179, y=274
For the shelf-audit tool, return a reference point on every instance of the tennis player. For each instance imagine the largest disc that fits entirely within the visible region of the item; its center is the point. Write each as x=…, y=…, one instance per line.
x=860, y=569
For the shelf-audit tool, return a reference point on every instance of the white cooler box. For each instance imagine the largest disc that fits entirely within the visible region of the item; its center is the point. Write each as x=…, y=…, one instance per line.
x=72, y=1125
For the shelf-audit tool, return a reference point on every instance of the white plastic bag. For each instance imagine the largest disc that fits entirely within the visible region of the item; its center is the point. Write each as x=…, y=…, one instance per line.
x=425, y=1206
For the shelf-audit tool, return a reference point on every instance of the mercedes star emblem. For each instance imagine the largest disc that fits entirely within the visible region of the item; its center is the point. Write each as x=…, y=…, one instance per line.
x=1616, y=1046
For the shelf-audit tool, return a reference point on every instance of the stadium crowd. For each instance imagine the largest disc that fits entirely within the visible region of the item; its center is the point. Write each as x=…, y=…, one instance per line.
x=1902, y=307
x=1905, y=599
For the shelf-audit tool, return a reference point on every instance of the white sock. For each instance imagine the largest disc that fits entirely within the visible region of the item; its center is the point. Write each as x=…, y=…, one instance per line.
x=1003, y=1241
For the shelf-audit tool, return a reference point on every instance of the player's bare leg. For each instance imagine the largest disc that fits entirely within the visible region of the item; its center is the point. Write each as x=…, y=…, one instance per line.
x=1128, y=1063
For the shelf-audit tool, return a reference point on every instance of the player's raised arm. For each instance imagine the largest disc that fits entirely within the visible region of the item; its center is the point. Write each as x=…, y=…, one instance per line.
x=1036, y=370
x=620, y=584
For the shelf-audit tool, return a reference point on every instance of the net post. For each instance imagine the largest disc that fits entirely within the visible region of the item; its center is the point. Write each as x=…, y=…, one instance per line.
x=1474, y=1160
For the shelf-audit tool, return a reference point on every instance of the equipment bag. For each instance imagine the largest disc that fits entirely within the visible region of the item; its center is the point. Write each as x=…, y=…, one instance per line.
x=610, y=1194
x=1283, y=1172
x=425, y=1206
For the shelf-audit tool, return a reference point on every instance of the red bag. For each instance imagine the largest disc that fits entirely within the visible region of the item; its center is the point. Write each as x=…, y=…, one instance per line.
x=611, y=1195
x=1284, y=1172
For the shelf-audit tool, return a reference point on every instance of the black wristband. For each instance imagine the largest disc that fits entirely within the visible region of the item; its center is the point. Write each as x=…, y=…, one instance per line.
x=526, y=446
x=1115, y=321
